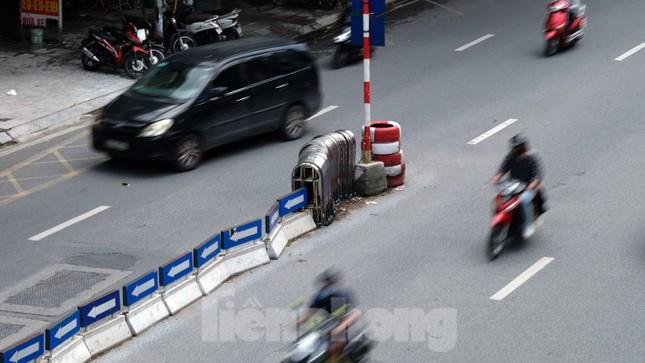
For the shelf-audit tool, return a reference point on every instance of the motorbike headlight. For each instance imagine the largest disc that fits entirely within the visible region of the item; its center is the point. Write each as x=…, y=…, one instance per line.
x=157, y=128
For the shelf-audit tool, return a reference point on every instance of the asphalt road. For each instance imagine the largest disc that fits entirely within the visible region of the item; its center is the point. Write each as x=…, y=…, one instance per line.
x=423, y=247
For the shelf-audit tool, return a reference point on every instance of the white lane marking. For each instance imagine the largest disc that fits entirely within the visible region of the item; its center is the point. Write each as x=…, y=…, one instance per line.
x=521, y=279
x=630, y=52
x=492, y=131
x=474, y=42
x=445, y=7
x=72, y=221
x=322, y=112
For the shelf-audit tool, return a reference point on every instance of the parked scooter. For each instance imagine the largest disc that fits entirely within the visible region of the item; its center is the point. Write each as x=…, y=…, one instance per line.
x=127, y=48
x=323, y=4
x=565, y=25
x=228, y=20
x=507, y=220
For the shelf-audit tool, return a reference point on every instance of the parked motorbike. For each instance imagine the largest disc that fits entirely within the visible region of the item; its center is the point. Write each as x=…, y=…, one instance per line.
x=128, y=48
x=565, y=25
x=199, y=30
x=323, y=4
x=507, y=220
x=312, y=346
x=229, y=22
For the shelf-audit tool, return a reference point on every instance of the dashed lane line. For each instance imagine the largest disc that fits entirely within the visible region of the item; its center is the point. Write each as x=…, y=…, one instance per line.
x=492, y=131
x=522, y=278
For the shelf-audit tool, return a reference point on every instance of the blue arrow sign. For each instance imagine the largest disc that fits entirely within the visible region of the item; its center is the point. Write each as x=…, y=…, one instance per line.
x=175, y=270
x=272, y=218
x=140, y=288
x=27, y=351
x=207, y=251
x=60, y=332
x=100, y=308
x=292, y=202
x=245, y=233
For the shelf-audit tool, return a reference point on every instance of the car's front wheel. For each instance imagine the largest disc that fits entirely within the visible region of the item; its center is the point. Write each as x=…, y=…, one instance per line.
x=188, y=153
x=293, y=126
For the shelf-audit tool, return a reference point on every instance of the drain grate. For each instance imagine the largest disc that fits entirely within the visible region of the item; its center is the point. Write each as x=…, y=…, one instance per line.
x=7, y=329
x=55, y=290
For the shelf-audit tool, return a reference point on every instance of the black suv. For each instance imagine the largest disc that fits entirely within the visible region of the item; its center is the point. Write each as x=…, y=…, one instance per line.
x=210, y=96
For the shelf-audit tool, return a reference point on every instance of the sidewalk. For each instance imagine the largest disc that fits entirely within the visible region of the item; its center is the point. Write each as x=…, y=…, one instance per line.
x=45, y=90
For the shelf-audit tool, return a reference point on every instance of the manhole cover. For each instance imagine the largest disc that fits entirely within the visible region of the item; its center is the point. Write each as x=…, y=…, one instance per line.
x=58, y=288
x=14, y=329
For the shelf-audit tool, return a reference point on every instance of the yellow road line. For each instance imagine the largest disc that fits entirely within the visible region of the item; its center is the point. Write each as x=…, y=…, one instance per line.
x=15, y=184
x=58, y=161
x=34, y=178
x=40, y=187
x=64, y=162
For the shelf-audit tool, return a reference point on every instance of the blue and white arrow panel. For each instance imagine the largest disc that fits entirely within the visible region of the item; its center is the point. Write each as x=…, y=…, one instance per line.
x=239, y=235
x=175, y=270
x=292, y=202
x=207, y=251
x=60, y=332
x=27, y=351
x=100, y=308
x=140, y=288
x=272, y=218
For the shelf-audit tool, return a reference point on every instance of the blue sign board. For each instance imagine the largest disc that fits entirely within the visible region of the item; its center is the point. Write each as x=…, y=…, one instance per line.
x=245, y=233
x=377, y=30
x=140, y=288
x=100, y=308
x=207, y=251
x=292, y=202
x=376, y=6
x=272, y=218
x=60, y=332
x=27, y=351
x=175, y=270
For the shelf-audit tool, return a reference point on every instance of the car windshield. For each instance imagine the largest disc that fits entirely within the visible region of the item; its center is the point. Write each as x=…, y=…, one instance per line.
x=173, y=81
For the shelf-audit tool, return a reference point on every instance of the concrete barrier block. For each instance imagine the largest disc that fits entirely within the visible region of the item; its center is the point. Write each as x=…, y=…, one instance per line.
x=146, y=315
x=107, y=335
x=182, y=295
x=246, y=258
x=74, y=351
x=298, y=224
x=213, y=276
x=276, y=243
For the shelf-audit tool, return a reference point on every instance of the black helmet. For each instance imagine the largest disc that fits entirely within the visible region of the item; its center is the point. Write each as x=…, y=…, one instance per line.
x=329, y=277
x=518, y=141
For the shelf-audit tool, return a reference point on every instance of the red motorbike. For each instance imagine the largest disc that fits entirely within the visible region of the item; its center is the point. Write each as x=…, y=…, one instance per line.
x=125, y=48
x=507, y=220
x=565, y=25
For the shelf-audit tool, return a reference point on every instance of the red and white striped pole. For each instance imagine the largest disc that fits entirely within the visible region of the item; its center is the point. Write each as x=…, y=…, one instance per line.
x=367, y=145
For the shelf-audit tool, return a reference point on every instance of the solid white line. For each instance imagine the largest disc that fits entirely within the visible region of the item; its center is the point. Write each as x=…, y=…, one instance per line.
x=521, y=279
x=72, y=221
x=322, y=112
x=474, y=42
x=630, y=52
x=492, y=131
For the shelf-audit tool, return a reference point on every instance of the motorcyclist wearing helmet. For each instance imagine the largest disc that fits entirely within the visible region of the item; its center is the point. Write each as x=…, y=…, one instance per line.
x=523, y=164
x=335, y=301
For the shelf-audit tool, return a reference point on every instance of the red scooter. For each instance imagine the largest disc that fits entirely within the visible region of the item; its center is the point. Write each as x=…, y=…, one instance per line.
x=119, y=48
x=507, y=220
x=565, y=25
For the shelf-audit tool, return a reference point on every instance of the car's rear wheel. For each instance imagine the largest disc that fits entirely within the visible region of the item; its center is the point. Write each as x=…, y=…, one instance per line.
x=293, y=126
x=188, y=153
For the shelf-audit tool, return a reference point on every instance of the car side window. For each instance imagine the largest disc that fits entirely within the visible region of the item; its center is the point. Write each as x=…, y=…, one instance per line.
x=260, y=69
x=232, y=78
x=289, y=61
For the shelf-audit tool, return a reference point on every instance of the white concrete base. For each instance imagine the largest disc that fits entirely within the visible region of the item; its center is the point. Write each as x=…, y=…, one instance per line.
x=212, y=276
x=147, y=314
x=276, y=243
x=246, y=258
x=298, y=224
x=107, y=335
x=74, y=351
x=182, y=295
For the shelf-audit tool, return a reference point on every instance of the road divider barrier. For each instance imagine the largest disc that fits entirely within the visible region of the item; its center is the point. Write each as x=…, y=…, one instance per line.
x=386, y=147
x=323, y=176
x=325, y=169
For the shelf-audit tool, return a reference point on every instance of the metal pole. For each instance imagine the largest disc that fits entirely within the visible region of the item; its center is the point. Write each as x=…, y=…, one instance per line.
x=367, y=145
x=159, y=17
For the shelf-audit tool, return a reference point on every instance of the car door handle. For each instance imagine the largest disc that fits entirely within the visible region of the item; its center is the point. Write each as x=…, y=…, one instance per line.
x=243, y=99
x=282, y=85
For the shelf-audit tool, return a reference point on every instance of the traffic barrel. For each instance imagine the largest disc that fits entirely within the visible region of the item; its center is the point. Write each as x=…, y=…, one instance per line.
x=386, y=147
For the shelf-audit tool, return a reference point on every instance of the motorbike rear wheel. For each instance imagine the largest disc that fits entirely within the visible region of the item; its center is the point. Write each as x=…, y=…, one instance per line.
x=182, y=42
x=497, y=241
x=136, y=65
